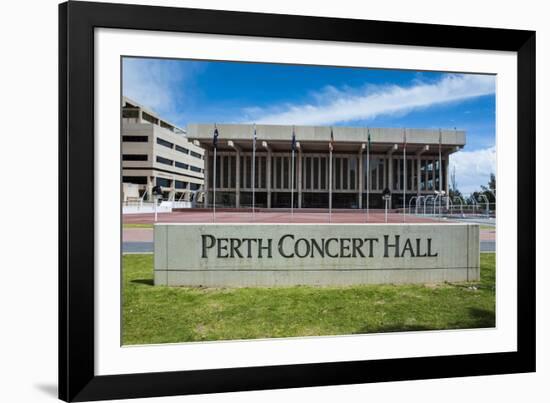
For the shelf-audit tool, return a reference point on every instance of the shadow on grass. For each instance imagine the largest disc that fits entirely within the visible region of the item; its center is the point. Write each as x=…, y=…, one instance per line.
x=481, y=318
x=400, y=327
x=476, y=319
x=145, y=281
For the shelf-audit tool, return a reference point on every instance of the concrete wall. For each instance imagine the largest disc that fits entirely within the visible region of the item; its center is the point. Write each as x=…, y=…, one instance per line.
x=322, y=133
x=219, y=255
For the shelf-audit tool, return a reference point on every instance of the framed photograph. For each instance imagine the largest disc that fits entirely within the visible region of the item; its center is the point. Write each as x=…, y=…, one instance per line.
x=257, y=201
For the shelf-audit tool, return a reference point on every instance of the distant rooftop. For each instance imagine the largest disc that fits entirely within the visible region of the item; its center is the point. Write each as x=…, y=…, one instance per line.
x=134, y=110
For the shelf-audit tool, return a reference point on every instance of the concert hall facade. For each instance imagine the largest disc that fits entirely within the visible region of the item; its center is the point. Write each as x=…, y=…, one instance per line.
x=365, y=161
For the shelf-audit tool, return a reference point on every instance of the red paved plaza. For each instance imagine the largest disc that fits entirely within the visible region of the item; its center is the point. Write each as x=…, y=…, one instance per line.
x=283, y=216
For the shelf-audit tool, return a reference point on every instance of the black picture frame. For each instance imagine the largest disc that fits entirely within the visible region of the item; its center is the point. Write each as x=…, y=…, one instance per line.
x=77, y=379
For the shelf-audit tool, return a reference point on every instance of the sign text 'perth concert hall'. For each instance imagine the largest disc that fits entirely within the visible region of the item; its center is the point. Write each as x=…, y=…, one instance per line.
x=268, y=255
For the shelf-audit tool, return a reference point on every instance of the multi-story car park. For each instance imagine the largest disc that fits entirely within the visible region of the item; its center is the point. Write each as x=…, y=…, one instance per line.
x=156, y=152
x=358, y=164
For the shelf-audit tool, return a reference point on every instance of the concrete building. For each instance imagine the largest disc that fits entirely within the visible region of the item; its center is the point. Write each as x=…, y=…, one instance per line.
x=157, y=153
x=419, y=173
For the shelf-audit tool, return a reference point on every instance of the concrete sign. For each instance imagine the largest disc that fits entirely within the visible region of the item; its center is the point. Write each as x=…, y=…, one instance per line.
x=236, y=255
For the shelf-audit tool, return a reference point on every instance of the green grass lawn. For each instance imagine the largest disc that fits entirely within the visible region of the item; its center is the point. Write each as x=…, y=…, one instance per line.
x=160, y=314
x=128, y=225
x=488, y=227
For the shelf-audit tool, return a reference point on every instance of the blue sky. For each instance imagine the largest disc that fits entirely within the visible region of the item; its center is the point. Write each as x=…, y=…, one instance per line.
x=233, y=92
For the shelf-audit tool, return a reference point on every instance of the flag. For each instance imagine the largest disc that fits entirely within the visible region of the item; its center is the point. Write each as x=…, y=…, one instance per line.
x=215, y=139
x=293, y=140
x=331, y=142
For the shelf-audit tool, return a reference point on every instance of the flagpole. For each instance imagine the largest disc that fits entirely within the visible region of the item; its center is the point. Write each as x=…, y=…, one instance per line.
x=330, y=145
x=254, y=175
x=404, y=184
x=215, y=144
x=330, y=186
x=368, y=171
x=214, y=198
x=292, y=147
x=440, y=185
x=292, y=186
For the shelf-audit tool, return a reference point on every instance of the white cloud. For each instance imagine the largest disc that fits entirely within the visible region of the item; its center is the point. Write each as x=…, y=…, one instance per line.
x=473, y=168
x=334, y=106
x=161, y=85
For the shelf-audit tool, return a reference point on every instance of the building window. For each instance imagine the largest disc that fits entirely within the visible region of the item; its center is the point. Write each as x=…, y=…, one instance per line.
x=336, y=173
x=164, y=143
x=181, y=185
x=130, y=113
x=196, y=155
x=149, y=118
x=182, y=165
x=163, y=182
x=352, y=171
x=134, y=157
x=323, y=173
x=195, y=186
x=242, y=174
x=372, y=177
x=380, y=175
x=286, y=172
x=135, y=139
x=182, y=149
x=165, y=161
x=226, y=171
x=138, y=180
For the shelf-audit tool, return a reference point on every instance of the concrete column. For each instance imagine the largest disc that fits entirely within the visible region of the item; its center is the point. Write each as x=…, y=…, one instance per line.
x=418, y=171
x=361, y=175
x=446, y=162
x=426, y=174
x=268, y=173
x=237, y=178
x=390, y=172
x=172, y=194
x=187, y=195
x=399, y=174
x=389, y=155
x=237, y=149
x=385, y=176
x=221, y=179
x=206, y=176
x=299, y=177
x=149, y=189
x=341, y=173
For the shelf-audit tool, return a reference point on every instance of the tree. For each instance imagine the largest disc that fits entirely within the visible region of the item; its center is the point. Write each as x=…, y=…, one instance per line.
x=453, y=189
x=490, y=190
